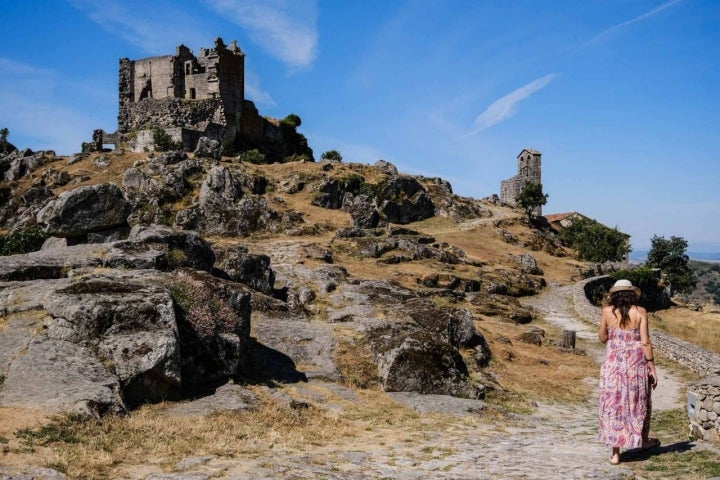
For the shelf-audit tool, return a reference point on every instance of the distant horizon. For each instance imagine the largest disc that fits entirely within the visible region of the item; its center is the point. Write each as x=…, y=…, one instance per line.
x=639, y=255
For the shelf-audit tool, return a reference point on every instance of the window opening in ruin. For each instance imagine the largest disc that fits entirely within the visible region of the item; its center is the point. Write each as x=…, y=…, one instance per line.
x=192, y=93
x=146, y=91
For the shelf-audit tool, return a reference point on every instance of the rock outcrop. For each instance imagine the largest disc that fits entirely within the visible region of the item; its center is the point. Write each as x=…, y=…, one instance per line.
x=77, y=212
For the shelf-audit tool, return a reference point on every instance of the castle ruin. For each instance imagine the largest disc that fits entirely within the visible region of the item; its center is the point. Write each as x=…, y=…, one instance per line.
x=528, y=171
x=190, y=97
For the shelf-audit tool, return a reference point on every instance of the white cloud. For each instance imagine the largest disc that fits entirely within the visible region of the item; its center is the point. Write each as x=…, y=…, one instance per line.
x=504, y=107
x=606, y=34
x=254, y=92
x=286, y=29
x=156, y=27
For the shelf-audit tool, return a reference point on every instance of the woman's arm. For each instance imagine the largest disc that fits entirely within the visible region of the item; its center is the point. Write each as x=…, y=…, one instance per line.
x=603, y=331
x=647, y=345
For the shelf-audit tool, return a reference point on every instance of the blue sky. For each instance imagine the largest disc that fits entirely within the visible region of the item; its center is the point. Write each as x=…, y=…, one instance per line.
x=620, y=96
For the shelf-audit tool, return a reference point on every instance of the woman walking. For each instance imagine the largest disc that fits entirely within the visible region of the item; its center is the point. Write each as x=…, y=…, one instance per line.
x=627, y=373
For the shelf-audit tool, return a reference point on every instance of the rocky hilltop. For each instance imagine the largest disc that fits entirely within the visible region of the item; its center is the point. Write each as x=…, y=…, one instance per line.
x=164, y=276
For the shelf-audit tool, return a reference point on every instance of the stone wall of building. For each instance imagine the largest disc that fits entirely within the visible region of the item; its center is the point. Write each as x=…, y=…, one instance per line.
x=528, y=170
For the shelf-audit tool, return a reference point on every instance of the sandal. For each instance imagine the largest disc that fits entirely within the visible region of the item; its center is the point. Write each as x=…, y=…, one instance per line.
x=613, y=461
x=650, y=444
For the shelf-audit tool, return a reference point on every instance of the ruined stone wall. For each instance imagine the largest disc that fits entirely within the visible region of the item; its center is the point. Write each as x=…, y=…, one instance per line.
x=126, y=89
x=257, y=129
x=173, y=112
x=154, y=78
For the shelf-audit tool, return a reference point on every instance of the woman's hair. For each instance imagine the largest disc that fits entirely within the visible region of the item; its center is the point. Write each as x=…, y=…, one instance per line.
x=622, y=301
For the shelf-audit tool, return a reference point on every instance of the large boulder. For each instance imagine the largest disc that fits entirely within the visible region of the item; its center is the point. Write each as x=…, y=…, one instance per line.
x=86, y=209
x=362, y=210
x=330, y=194
x=455, y=325
x=161, y=248
x=224, y=208
x=21, y=210
x=238, y=265
x=21, y=162
x=208, y=148
x=108, y=340
x=413, y=359
x=131, y=325
x=404, y=200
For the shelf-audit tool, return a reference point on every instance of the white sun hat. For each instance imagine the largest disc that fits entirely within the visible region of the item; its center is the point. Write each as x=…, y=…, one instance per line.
x=622, y=285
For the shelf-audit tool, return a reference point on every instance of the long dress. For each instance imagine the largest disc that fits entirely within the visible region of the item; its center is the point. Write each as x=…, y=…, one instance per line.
x=624, y=399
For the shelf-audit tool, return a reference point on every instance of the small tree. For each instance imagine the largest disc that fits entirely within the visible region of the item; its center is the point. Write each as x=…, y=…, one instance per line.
x=164, y=142
x=296, y=144
x=332, y=155
x=595, y=242
x=531, y=198
x=293, y=120
x=670, y=257
x=5, y=146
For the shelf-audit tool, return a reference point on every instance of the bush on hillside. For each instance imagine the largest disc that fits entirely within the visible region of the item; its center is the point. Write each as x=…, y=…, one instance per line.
x=648, y=280
x=23, y=241
x=595, y=242
x=164, y=142
x=252, y=156
x=332, y=155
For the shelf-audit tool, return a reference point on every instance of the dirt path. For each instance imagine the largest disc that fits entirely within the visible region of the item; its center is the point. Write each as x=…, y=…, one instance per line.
x=556, y=307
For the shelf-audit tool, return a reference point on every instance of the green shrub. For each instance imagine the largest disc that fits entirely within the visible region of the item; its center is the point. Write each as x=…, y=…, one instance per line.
x=356, y=184
x=164, y=142
x=595, y=242
x=252, y=156
x=653, y=295
x=23, y=241
x=332, y=155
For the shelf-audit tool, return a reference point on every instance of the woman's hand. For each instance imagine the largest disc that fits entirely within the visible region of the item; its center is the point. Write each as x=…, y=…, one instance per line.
x=653, y=379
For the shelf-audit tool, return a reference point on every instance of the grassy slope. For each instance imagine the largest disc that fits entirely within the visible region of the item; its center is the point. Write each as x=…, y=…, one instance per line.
x=525, y=372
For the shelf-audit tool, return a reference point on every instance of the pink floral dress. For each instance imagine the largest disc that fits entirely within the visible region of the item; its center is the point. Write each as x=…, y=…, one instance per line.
x=624, y=390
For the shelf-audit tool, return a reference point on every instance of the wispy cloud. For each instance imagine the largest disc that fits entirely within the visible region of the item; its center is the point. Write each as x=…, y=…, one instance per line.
x=286, y=29
x=606, y=34
x=254, y=92
x=155, y=27
x=505, y=107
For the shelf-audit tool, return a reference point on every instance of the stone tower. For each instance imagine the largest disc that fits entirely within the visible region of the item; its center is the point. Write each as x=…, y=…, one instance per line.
x=529, y=170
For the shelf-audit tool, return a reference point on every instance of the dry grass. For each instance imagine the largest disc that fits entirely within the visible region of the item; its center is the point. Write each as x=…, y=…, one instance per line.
x=354, y=360
x=103, y=449
x=95, y=448
x=536, y=373
x=699, y=328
